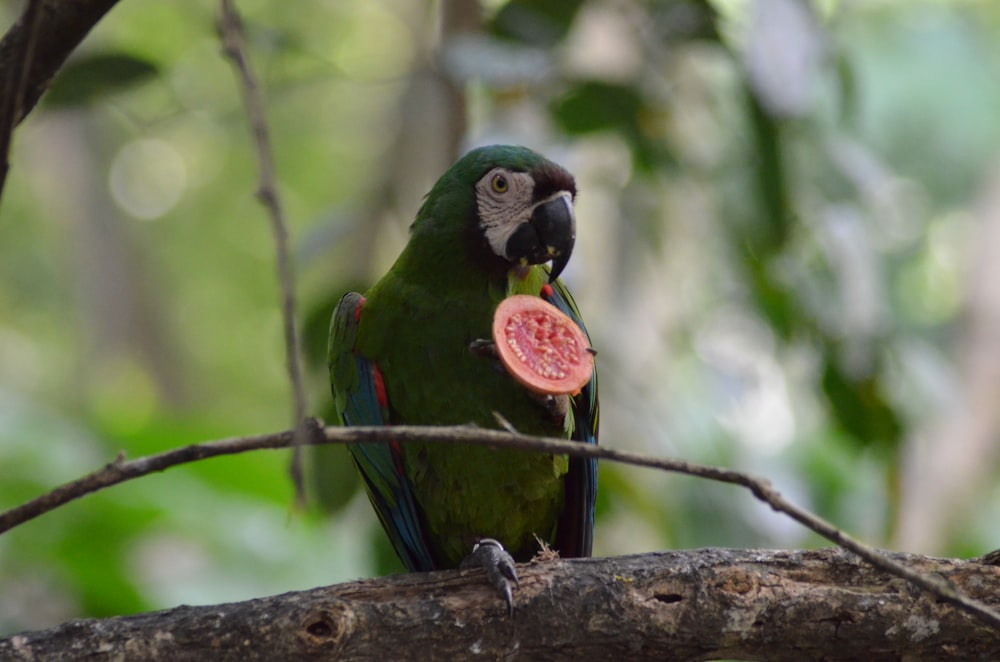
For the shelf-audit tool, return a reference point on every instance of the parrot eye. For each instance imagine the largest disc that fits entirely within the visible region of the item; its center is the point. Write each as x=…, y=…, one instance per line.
x=499, y=184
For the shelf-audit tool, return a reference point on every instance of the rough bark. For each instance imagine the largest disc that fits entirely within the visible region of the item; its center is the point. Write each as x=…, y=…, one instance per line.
x=689, y=605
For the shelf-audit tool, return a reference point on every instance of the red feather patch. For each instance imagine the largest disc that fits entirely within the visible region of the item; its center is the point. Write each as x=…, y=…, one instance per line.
x=397, y=457
x=380, y=394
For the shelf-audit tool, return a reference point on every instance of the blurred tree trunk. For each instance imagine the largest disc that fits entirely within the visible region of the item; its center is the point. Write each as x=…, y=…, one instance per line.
x=953, y=462
x=695, y=605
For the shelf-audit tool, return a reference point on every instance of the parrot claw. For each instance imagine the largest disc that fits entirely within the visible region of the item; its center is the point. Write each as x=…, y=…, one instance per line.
x=490, y=555
x=485, y=348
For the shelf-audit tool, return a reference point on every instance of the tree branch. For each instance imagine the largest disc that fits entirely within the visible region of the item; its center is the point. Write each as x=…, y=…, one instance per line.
x=31, y=53
x=230, y=28
x=120, y=471
x=691, y=605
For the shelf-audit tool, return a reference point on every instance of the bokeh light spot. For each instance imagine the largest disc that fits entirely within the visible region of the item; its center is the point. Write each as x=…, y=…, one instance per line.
x=147, y=178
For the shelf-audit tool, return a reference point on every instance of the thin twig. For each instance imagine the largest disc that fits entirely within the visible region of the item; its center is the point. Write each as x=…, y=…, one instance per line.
x=120, y=471
x=233, y=37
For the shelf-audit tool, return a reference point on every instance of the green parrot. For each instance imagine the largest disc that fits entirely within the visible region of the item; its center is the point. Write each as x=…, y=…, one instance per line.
x=416, y=349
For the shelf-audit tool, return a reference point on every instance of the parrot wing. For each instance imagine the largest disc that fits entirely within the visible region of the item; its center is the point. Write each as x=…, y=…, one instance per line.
x=575, y=532
x=361, y=399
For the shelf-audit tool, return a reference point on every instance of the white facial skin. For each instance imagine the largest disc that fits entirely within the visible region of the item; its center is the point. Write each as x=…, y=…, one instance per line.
x=503, y=198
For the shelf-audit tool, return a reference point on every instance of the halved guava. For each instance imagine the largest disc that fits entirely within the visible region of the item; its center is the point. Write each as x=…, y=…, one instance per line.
x=541, y=347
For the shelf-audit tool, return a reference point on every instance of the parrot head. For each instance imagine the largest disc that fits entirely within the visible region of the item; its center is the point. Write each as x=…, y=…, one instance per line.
x=518, y=207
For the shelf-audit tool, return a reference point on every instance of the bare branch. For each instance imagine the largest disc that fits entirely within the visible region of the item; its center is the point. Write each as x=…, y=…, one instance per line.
x=234, y=45
x=120, y=471
x=686, y=605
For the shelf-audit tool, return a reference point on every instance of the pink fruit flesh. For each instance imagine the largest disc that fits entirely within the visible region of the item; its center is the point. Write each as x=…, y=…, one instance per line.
x=541, y=347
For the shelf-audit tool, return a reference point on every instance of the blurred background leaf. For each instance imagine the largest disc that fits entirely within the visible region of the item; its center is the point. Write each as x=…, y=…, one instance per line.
x=88, y=77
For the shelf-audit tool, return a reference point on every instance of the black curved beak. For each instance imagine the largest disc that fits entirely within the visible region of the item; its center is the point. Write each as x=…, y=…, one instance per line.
x=548, y=235
x=555, y=224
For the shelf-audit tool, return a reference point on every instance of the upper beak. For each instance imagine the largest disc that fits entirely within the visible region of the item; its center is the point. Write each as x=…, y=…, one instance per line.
x=555, y=225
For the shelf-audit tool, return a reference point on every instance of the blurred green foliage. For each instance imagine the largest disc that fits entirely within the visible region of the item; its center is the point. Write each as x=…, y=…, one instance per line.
x=774, y=237
x=88, y=78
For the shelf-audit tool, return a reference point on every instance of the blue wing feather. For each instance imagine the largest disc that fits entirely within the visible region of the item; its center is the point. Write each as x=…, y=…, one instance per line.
x=575, y=534
x=354, y=379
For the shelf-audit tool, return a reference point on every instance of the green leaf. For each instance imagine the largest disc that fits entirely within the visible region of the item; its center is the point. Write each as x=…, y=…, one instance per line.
x=90, y=77
x=593, y=106
x=597, y=106
x=860, y=407
x=541, y=23
x=774, y=210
